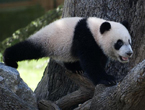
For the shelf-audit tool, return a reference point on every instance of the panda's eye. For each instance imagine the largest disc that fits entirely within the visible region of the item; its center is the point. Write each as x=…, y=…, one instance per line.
x=118, y=44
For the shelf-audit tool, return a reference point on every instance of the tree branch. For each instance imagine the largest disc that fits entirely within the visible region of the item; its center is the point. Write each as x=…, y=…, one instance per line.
x=126, y=95
x=47, y=105
x=84, y=93
x=74, y=98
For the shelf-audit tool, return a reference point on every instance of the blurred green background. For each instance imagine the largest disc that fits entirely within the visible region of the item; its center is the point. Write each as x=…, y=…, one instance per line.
x=12, y=19
x=32, y=71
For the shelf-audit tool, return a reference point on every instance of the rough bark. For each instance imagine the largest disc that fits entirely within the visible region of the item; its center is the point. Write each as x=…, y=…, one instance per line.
x=54, y=83
x=127, y=94
x=61, y=89
x=14, y=93
x=47, y=105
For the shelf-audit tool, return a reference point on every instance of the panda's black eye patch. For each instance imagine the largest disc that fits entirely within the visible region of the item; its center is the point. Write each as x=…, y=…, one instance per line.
x=118, y=44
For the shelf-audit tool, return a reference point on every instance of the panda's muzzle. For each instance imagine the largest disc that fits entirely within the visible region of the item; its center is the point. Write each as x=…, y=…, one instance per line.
x=126, y=59
x=129, y=54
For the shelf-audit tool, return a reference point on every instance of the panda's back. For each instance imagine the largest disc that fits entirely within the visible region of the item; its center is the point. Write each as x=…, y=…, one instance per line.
x=57, y=37
x=61, y=39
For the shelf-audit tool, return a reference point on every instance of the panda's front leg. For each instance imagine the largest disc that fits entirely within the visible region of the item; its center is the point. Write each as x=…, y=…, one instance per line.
x=95, y=72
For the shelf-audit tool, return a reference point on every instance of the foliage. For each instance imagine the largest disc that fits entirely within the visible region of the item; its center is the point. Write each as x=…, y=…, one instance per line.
x=12, y=19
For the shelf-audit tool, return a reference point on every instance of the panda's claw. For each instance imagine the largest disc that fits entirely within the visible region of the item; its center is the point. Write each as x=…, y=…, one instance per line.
x=108, y=80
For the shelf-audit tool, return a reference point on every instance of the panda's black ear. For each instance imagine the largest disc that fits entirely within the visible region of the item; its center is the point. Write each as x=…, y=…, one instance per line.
x=106, y=26
x=126, y=24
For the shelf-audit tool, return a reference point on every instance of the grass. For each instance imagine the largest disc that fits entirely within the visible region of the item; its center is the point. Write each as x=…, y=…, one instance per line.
x=32, y=71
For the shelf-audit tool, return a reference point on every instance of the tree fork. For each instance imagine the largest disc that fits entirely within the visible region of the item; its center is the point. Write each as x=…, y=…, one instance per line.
x=84, y=93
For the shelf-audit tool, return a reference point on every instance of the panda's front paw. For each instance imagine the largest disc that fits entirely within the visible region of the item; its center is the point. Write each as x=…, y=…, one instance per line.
x=108, y=80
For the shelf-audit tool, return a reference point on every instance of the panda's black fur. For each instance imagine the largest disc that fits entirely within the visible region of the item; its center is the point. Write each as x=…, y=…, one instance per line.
x=21, y=51
x=91, y=57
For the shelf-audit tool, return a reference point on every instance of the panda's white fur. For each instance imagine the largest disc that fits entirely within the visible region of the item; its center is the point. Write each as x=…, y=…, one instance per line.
x=106, y=40
x=57, y=42
x=85, y=43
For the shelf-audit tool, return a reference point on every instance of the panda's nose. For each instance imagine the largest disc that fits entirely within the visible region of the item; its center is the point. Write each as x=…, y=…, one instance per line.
x=129, y=53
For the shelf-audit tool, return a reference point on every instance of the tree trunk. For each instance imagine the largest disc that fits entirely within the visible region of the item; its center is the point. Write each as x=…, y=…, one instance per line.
x=56, y=82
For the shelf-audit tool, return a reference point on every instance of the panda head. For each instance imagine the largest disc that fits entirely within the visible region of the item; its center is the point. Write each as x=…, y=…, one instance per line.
x=115, y=41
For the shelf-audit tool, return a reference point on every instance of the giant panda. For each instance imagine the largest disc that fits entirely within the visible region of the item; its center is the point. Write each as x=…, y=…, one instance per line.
x=80, y=44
